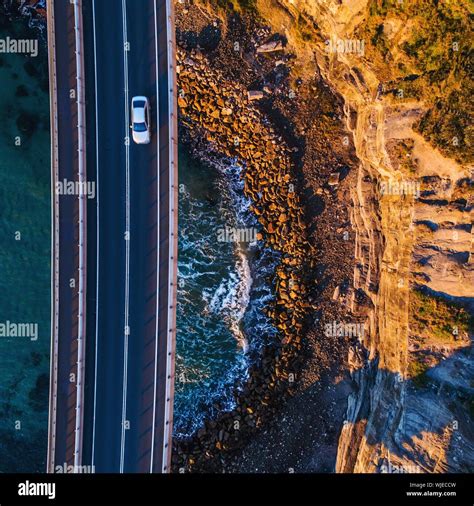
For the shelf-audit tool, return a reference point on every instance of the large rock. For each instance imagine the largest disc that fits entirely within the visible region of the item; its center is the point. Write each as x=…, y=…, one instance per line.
x=269, y=47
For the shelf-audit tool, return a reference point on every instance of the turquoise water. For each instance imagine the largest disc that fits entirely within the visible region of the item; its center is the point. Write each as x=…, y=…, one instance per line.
x=222, y=290
x=24, y=253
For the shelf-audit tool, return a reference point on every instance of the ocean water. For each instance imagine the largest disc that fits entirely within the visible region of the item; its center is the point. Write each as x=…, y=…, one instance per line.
x=223, y=288
x=24, y=252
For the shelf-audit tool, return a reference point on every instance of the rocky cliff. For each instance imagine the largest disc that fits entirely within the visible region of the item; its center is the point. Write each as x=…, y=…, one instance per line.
x=412, y=213
x=398, y=76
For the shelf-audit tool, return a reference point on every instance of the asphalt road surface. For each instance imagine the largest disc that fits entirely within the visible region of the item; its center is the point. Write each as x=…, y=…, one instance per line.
x=126, y=345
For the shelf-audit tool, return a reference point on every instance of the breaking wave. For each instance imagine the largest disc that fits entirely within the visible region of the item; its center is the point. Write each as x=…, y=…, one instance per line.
x=222, y=291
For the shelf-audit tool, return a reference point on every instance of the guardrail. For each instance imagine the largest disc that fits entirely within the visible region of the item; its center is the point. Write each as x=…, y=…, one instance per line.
x=173, y=240
x=81, y=127
x=54, y=236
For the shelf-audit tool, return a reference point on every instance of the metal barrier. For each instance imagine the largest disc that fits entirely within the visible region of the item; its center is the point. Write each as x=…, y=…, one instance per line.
x=81, y=112
x=82, y=246
x=173, y=239
x=54, y=237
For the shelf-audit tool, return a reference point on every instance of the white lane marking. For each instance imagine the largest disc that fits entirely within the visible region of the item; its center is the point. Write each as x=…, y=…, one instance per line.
x=127, y=241
x=97, y=232
x=157, y=238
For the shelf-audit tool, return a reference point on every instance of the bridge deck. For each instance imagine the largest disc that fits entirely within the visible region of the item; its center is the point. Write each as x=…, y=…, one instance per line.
x=127, y=408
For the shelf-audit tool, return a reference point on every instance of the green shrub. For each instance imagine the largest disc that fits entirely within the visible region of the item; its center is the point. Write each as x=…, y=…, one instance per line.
x=431, y=315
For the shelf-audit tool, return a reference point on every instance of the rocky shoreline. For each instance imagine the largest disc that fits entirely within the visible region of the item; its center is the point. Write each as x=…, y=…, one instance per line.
x=34, y=11
x=233, y=129
x=225, y=116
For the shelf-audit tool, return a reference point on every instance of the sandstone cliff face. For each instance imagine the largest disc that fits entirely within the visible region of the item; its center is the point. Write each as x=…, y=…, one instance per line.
x=422, y=236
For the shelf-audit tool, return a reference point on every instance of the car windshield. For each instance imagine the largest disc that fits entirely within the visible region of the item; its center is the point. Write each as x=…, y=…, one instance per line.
x=139, y=104
x=139, y=127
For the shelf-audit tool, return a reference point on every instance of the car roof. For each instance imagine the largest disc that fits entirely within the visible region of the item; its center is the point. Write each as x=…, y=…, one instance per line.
x=138, y=104
x=139, y=115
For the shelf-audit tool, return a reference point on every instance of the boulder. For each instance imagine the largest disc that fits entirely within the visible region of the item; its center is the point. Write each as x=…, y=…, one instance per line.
x=255, y=95
x=269, y=47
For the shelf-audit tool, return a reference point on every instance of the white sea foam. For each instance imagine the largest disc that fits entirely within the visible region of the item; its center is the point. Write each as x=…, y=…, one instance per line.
x=232, y=296
x=219, y=293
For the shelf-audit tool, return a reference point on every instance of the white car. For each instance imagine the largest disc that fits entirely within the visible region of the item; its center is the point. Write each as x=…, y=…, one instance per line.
x=140, y=120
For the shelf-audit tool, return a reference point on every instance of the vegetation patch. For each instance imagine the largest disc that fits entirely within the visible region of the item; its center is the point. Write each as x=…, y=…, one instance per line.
x=400, y=151
x=241, y=6
x=417, y=368
x=435, y=318
x=427, y=57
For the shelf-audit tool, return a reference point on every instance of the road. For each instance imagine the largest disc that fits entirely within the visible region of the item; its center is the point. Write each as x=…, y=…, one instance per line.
x=133, y=248
x=118, y=420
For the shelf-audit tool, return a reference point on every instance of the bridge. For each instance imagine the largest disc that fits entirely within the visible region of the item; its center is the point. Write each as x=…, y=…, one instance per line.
x=114, y=243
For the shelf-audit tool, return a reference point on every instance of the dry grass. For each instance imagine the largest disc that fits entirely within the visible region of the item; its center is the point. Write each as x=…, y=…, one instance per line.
x=437, y=320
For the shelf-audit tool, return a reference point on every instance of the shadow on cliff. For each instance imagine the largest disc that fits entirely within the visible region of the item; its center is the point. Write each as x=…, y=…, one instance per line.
x=424, y=423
